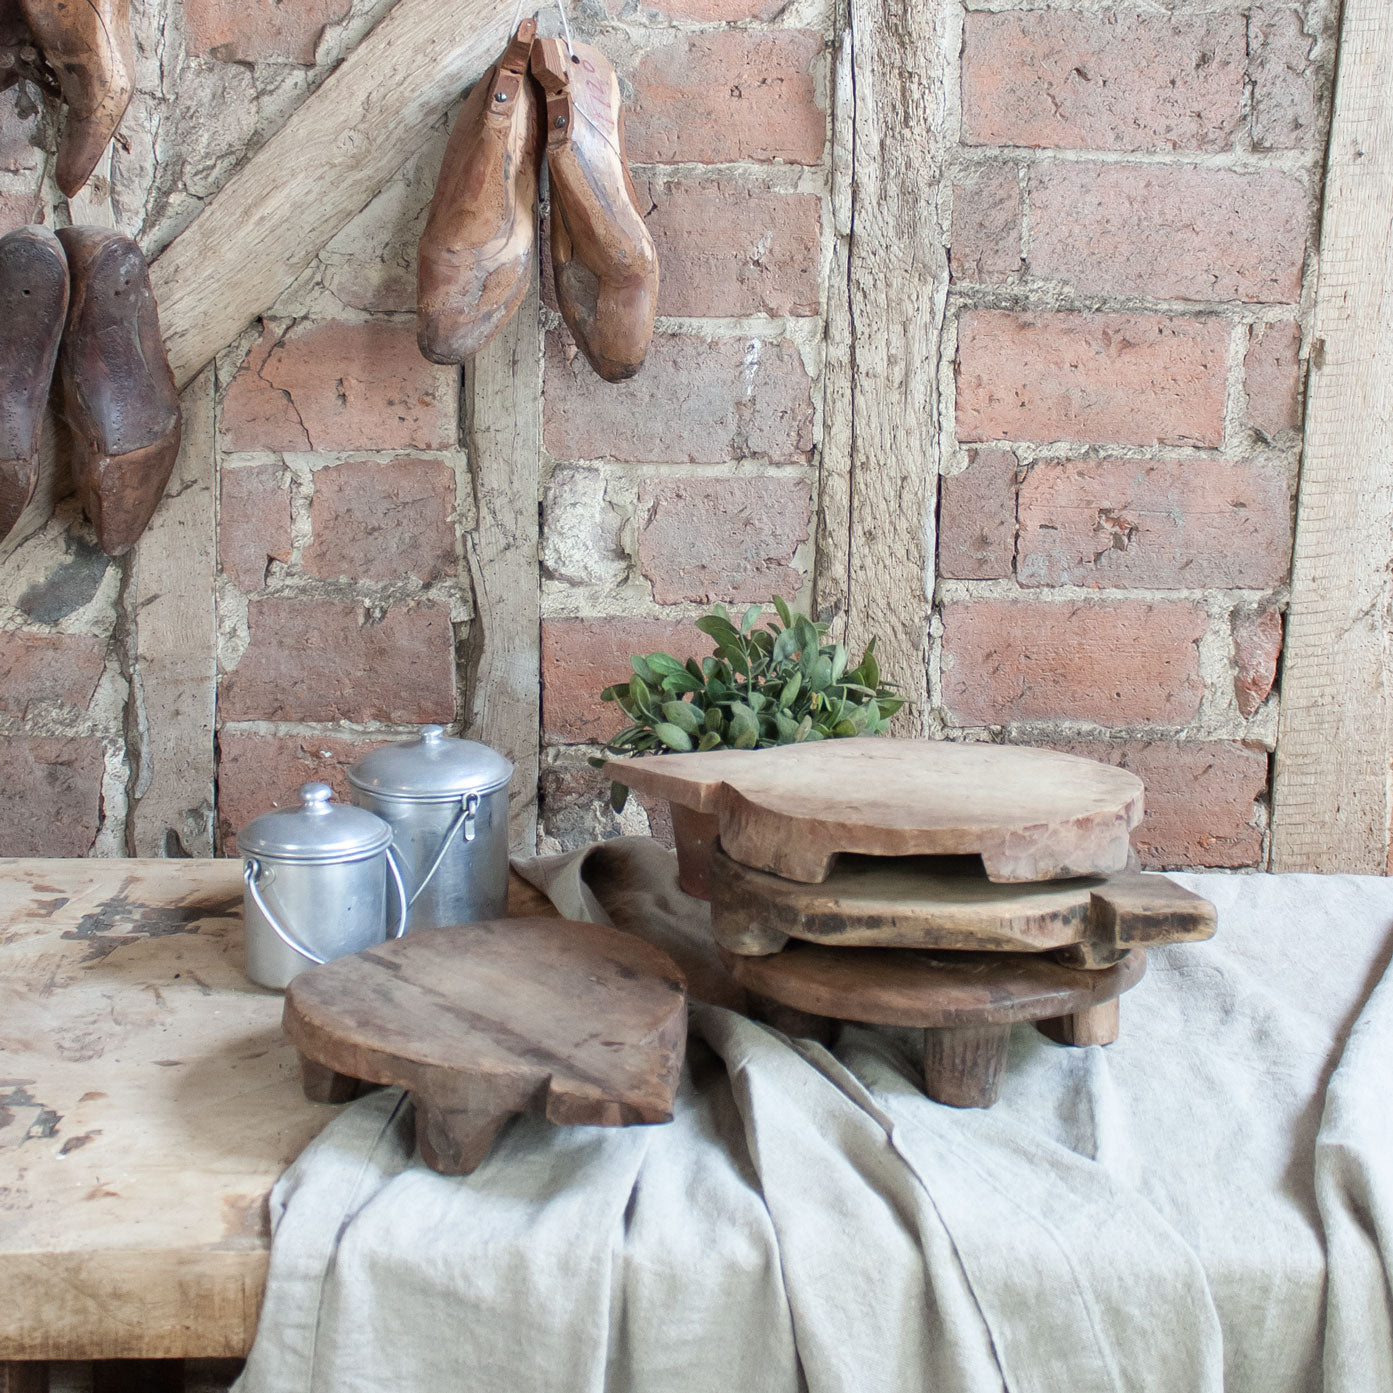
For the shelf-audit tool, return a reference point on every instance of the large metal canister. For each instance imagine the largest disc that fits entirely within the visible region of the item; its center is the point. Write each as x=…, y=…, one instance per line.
x=321, y=882
x=446, y=801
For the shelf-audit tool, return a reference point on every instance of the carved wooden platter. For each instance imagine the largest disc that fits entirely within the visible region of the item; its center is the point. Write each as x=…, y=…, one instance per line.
x=966, y=1003
x=1029, y=814
x=948, y=903
x=579, y=1023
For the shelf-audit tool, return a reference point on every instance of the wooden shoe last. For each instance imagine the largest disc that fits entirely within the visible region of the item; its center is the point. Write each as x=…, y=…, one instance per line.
x=119, y=396
x=88, y=44
x=475, y=253
x=33, y=302
x=605, y=263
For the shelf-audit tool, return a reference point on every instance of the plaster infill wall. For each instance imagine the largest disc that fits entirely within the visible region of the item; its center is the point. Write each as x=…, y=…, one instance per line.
x=1132, y=198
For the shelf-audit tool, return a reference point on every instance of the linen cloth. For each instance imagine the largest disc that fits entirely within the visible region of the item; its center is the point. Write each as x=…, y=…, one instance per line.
x=1206, y=1204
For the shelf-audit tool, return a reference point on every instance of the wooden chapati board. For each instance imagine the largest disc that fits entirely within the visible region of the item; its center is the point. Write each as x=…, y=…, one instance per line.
x=579, y=1023
x=1029, y=814
x=948, y=903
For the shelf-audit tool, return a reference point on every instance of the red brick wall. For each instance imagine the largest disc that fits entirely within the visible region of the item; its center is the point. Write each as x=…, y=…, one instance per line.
x=1131, y=202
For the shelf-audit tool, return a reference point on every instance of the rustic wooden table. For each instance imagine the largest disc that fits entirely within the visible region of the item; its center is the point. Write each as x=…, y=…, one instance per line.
x=148, y=1102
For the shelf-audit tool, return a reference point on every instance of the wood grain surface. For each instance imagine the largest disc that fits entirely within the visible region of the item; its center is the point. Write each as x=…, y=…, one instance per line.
x=947, y=902
x=1331, y=796
x=576, y=1022
x=1029, y=814
x=908, y=987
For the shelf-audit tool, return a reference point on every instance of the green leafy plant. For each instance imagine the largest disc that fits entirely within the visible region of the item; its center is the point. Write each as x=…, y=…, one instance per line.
x=776, y=683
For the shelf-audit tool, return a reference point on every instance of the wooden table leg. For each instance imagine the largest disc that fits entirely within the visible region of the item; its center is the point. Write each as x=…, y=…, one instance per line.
x=792, y=1021
x=1098, y=1025
x=23, y=1376
x=325, y=1085
x=138, y=1376
x=963, y=1067
x=454, y=1141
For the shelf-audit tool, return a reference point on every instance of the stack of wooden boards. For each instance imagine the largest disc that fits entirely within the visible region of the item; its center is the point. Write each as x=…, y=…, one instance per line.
x=956, y=888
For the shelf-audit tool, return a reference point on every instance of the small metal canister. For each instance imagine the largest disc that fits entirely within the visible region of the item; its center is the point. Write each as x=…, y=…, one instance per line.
x=316, y=881
x=446, y=801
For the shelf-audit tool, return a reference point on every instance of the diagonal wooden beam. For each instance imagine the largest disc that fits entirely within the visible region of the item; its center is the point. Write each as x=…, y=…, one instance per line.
x=271, y=219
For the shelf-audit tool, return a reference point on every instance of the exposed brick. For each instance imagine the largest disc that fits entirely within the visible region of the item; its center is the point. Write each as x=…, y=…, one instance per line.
x=977, y=518
x=1101, y=378
x=259, y=772
x=728, y=249
x=1200, y=799
x=251, y=31
x=322, y=660
x=1167, y=525
x=1257, y=644
x=695, y=402
x=581, y=657
x=383, y=521
x=21, y=149
x=62, y=668
x=1286, y=83
x=741, y=94
x=253, y=523
x=1103, y=82
x=16, y=210
x=573, y=806
x=1272, y=378
x=53, y=795
x=340, y=387
x=1118, y=663
x=712, y=11
x=722, y=539
x=1169, y=233
x=985, y=245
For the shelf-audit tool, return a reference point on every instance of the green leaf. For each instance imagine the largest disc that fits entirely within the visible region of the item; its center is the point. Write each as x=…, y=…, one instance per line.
x=722, y=630
x=615, y=693
x=787, y=728
x=683, y=714
x=618, y=796
x=695, y=668
x=791, y=689
x=674, y=737
x=785, y=646
x=665, y=665
x=804, y=726
x=870, y=668
x=844, y=728
x=744, y=728
x=822, y=672
x=681, y=681
x=747, y=620
x=641, y=696
x=839, y=660
x=710, y=741
x=757, y=702
x=783, y=611
x=721, y=612
x=713, y=720
x=642, y=669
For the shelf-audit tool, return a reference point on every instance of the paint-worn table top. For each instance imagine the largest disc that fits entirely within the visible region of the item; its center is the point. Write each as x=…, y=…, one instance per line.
x=148, y=1102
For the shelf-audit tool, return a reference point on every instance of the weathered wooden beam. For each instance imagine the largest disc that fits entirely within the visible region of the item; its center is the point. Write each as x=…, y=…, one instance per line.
x=1331, y=800
x=885, y=323
x=503, y=430
x=175, y=671
x=340, y=147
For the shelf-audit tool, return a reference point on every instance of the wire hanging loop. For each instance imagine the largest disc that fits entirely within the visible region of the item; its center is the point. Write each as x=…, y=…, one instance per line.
x=565, y=27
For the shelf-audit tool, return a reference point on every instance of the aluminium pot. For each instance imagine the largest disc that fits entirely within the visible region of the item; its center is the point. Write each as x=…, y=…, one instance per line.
x=446, y=801
x=320, y=882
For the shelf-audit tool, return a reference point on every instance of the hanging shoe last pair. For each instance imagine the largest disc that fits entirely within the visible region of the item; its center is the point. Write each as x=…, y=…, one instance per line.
x=88, y=45
x=475, y=254
x=80, y=304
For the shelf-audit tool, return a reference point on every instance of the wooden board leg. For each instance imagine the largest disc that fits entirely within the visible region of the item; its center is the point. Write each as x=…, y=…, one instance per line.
x=750, y=938
x=325, y=1085
x=963, y=1067
x=454, y=1142
x=138, y=1376
x=802, y=1024
x=1096, y=1026
x=23, y=1376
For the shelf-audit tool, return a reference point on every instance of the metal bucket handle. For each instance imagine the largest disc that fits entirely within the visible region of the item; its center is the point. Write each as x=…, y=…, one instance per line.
x=469, y=805
x=251, y=874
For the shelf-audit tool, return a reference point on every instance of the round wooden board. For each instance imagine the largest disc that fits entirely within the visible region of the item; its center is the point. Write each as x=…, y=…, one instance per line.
x=907, y=987
x=1029, y=814
x=578, y=1022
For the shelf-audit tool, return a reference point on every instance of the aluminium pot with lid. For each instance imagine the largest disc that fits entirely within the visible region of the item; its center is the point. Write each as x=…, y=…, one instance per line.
x=446, y=801
x=317, y=880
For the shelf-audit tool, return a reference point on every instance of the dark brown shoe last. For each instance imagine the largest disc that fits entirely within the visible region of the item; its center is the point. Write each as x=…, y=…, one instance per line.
x=605, y=264
x=119, y=397
x=88, y=44
x=475, y=255
x=33, y=303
